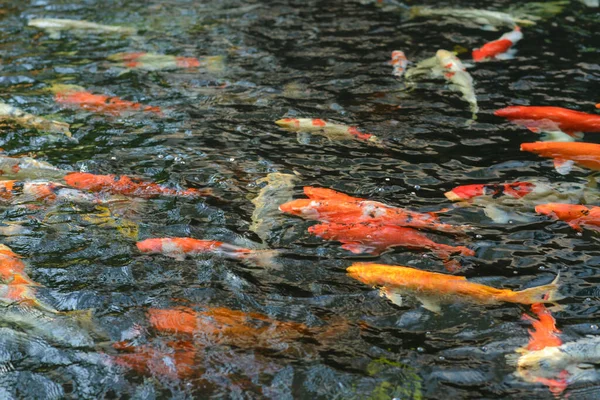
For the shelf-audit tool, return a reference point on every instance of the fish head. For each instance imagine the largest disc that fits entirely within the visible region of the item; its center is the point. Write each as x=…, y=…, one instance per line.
x=150, y=245
x=465, y=192
x=511, y=112
x=304, y=208
x=479, y=55
x=564, y=212
x=288, y=122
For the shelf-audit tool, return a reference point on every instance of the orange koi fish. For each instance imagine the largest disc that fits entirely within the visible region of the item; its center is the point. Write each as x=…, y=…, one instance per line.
x=433, y=289
x=373, y=239
x=127, y=186
x=536, y=118
x=100, y=103
x=12, y=269
x=399, y=62
x=467, y=192
x=577, y=216
x=499, y=49
x=565, y=154
x=327, y=205
x=327, y=129
x=544, y=329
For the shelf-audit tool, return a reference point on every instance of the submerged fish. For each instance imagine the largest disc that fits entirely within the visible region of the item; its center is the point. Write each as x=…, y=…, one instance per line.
x=467, y=192
x=12, y=269
x=16, y=192
x=373, y=239
x=78, y=97
x=566, y=154
x=266, y=217
x=460, y=80
x=499, y=49
x=577, y=216
x=327, y=205
x=433, y=289
x=22, y=293
x=10, y=113
x=128, y=186
x=328, y=129
x=552, y=119
x=399, y=62
x=55, y=25
x=156, y=62
x=28, y=168
x=484, y=18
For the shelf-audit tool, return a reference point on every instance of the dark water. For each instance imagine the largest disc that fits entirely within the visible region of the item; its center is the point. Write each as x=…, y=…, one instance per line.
x=316, y=59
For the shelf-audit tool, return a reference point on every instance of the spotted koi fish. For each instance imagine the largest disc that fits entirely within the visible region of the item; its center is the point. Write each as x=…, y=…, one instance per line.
x=499, y=49
x=128, y=186
x=327, y=129
x=156, y=62
x=399, y=62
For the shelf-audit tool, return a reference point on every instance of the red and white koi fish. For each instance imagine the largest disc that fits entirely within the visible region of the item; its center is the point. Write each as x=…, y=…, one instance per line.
x=327, y=129
x=373, y=239
x=577, y=216
x=566, y=154
x=399, y=62
x=78, y=97
x=156, y=62
x=499, y=49
x=14, y=192
x=127, y=186
x=327, y=205
x=551, y=119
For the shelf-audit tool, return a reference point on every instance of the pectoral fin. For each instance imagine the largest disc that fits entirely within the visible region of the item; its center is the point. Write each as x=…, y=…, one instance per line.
x=563, y=167
x=359, y=248
x=556, y=136
x=430, y=303
x=395, y=298
x=496, y=214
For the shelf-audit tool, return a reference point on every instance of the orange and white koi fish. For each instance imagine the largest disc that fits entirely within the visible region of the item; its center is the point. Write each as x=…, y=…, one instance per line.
x=12, y=269
x=327, y=205
x=495, y=190
x=499, y=49
x=327, y=129
x=156, y=62
x=28, y=168
x=577, y=216
x=14, y=192
x=10, y=113
x=78, y=97
x=373, y=239
x=127, y=186
x=566, y=154
x=552, y=119
x=399, y=62
x=433, y=289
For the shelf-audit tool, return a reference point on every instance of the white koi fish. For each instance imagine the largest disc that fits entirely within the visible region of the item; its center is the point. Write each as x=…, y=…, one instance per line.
x=54, y=25
x=10, y=113
x=455, y=72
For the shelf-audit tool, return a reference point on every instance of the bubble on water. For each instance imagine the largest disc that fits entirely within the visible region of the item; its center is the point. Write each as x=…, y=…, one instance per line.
x=417, y=187
x=177, y=159
x=579, y=234
x=484, y=349
x=113, y=158
x=387, y=179
x=594, y=327
x=413, y=193
x=541, y=268
x=515, y=272
x=232, y=159
x=511, y=222
x=442, y=358
x=428, y=333
x=160, y=156
x=587, y=300
x=420, y=349
x=478, y=236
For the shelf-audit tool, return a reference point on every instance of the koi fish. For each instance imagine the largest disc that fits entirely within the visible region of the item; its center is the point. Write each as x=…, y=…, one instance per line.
x=577, y=216
x=551, y=119
x=373, y=239
x=328, y=129
x=566, y=154
x=127, y=186
x=331, y=206
x=13, y=192
x=399, y=62
x=499, y=49
x=455, y=72
x=544, y=333
x=54, y=25
x=433, y=289
x=157, y=62
x=70, y=95
x=21, y=293
x=485, y=19
x=12, y=269
x=28, y=168
x=10, y=113
x=467, y=192
x=277, y=190
x=179, y=248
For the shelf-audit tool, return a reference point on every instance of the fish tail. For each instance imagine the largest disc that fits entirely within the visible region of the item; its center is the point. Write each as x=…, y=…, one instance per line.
x=261, y=258
x=541, y=294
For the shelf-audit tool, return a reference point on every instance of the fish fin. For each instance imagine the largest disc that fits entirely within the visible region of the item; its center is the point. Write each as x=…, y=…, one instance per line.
x=452, y=265
x=303, y=138
x=575, y=225
x=540, y=294
x=496, y=214
x=359, y=248
x=395, y=298
x=430, y=303
x=556, y=136
x=260, y=258
x=508, y=55
x=489, y=28
x=512, y=359
x=563, y=167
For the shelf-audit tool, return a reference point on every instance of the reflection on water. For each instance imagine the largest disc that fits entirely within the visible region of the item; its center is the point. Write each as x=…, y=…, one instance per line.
x=202, y=85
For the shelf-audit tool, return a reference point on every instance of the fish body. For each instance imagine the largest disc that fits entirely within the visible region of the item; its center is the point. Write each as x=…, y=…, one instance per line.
x=455, y=72
x=567, y=153
x=127, y=186
x=15, y=192
x=327, y=129
x=28, y=168
x=101, y=103
x=577, y=216
x=157, y=62
x=467, y=192
x=181, y=247
x=373, y=239
x=499, y=48
x=399, y=63
x=485, y=18
x=546, y=118
x=434, y=289
x=55, y=24
x=10, y=113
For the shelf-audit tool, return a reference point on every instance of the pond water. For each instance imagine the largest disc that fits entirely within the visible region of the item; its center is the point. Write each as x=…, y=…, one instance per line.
x=321, y=334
